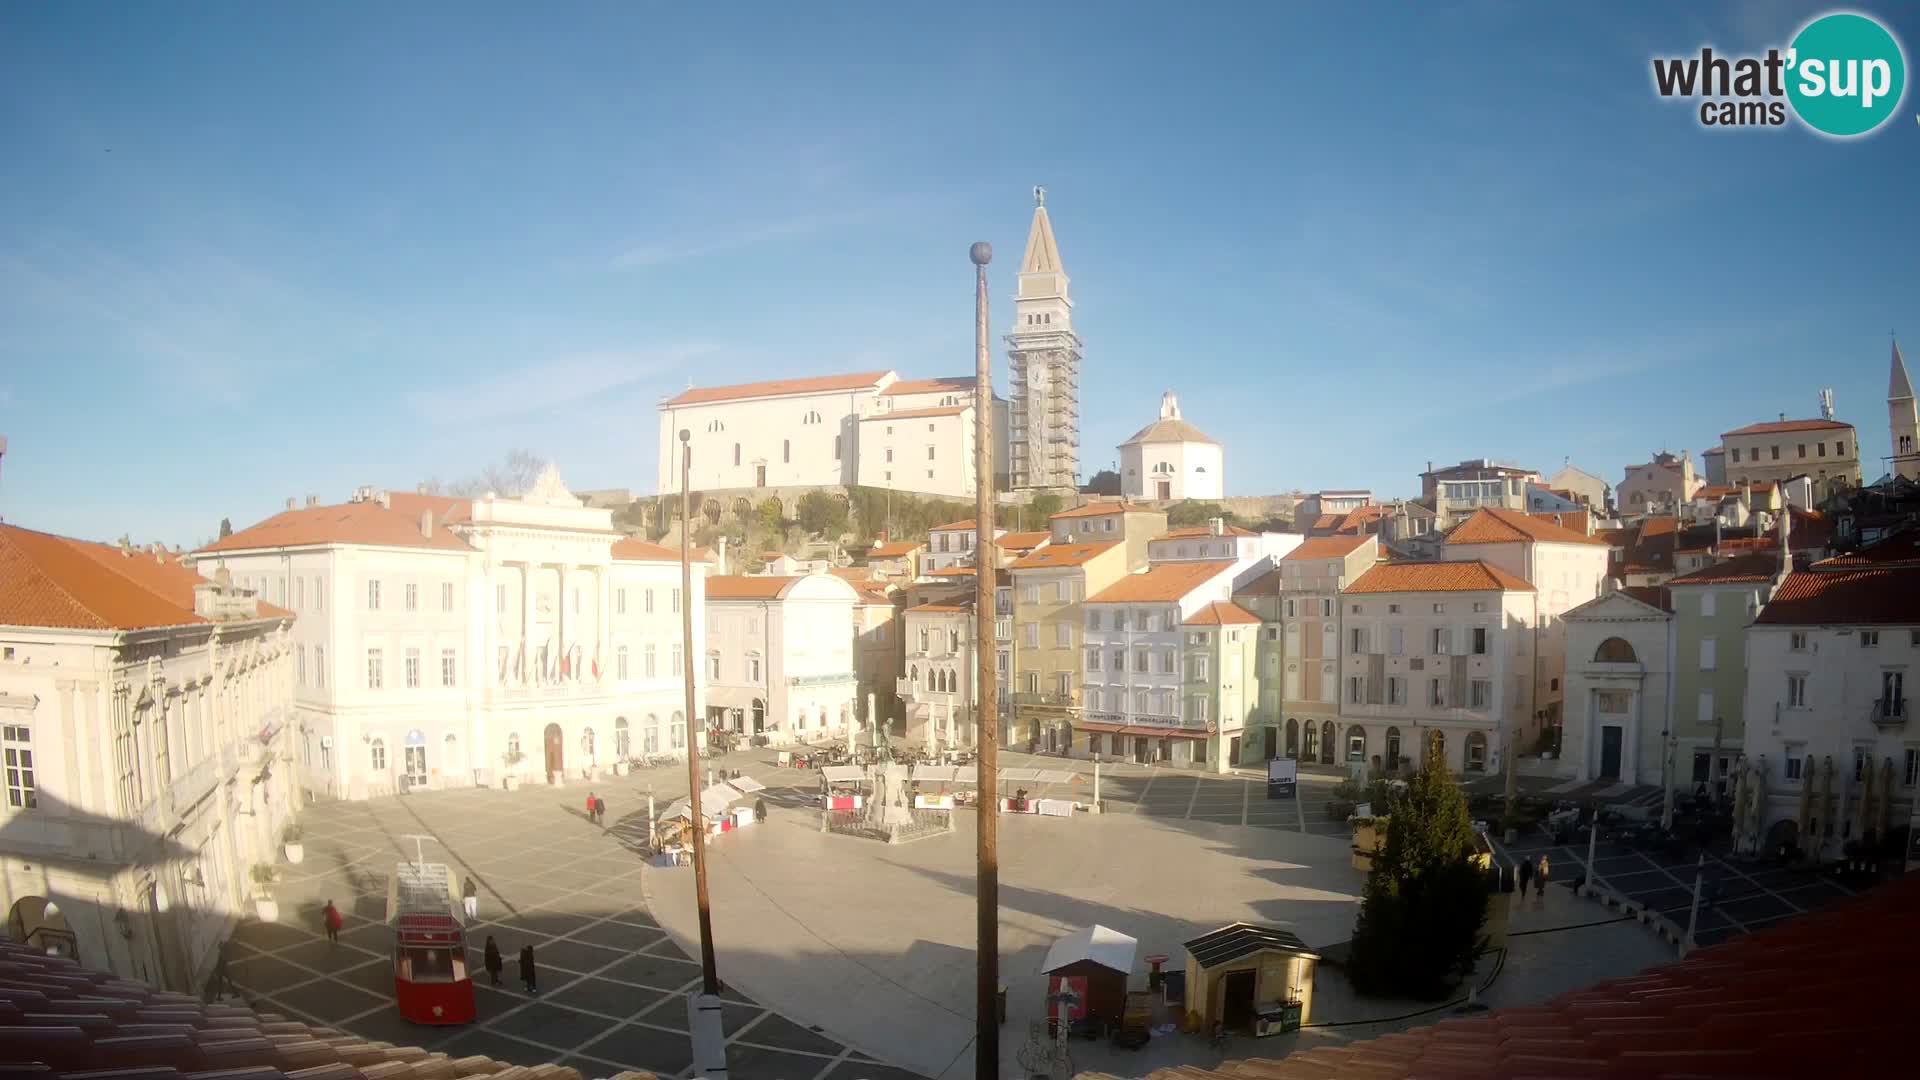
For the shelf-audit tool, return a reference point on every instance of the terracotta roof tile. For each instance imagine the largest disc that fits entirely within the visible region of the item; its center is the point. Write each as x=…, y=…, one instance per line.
x=1021, y=542
x=1878, y=585
x=893, y=550
x=1473, y=576
x=1571, y=520
x=1325, y=547
x=58, y=582
x=366, y=523
x=1201, y=532
x=1099, y=509
x=1776, y=426
x=1743, y=568
x=864, y=380
x=1163, y=582
x=749, y=587
x=953, y=384
x=910, y=414
x=1491, y=526
x=954, y=526
x=1897, y=550
x=1222, y=613
x=1057, y=555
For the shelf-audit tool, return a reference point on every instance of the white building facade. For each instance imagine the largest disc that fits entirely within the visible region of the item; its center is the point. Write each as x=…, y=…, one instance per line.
x=147, y=729
x=941, y=681
x=1619, y=678
x=1134, y=674
x=445, y=642
x=1170, y=460
x=779, y=661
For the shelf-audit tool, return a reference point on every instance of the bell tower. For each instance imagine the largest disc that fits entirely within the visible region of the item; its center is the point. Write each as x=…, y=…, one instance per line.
x=1903, y=420
x=1043, y=400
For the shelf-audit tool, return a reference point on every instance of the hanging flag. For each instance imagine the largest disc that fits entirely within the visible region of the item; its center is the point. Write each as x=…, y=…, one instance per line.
x=596, y=663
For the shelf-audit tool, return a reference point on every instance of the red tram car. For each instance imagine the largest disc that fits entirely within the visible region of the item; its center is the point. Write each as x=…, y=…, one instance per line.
x=430, y=982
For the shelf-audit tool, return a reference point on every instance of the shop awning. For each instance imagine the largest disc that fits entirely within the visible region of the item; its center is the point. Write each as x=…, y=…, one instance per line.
x=933, y=774
x=844, y=774
x=746, y=785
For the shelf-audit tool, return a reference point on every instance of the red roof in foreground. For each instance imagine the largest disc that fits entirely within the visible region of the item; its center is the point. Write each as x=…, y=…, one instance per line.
x=1821, y=994
x=366, y=522
x=1490, y=525
x=57, y=582
x=1473, y=576
x=1876, y=586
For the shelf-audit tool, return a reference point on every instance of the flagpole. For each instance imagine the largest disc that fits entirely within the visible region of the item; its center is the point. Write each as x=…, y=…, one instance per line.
x=986, y=1040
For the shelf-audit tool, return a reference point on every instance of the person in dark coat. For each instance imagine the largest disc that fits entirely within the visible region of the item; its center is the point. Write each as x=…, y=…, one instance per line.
x=526, y=969
x=493, y=961
x=1525, y=873
x=599, y=811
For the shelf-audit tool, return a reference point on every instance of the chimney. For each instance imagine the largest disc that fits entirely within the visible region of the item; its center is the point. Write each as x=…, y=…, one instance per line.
x=313, y=501
x=386, y=500
x=290, y=501
x=1786, y=554
x=426, y=524
x=1216, y=527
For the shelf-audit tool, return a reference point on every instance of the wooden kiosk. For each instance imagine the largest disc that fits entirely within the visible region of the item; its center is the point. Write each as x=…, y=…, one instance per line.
x=1256, y=980
x=1087, y=977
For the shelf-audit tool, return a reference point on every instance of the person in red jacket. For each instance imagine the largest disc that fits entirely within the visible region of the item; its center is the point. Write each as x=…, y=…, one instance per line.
x=590, y=814
x=330, y=918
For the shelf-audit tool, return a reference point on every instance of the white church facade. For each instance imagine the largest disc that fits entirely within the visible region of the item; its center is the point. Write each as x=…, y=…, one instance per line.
x=442, y=642
x=1170, y=460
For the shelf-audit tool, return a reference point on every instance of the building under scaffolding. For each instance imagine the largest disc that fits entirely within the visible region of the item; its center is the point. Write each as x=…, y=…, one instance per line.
x=1043, y=413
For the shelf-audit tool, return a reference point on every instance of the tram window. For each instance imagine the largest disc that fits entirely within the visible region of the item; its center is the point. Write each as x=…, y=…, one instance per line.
x=432, y=965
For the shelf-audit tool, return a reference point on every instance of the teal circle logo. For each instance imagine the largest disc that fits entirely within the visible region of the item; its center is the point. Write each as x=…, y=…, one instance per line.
x=1845, y=74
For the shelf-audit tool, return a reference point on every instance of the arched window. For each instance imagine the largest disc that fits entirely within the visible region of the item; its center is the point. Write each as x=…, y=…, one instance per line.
x=913, y=675
x=377, y=755
x=1615, y=651
x=586, y=744
x=650, y=736
x=513, y=745
x=622, y=739
x=1293, y=738
x=679, y=732
x=715, y=425
x=1327, y=749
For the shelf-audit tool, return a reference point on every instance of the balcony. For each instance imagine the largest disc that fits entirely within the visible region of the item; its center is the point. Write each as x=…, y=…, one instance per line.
x=1890, y=712
x=1052, y=698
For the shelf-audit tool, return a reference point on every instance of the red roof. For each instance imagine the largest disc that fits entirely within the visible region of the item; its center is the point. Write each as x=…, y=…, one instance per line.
x=366, y=523
x=1492, y=526
x=1471, y=576
x=1819, y=994
x=865, y=380
x=1161, y=583
x=1222, y=613
x=56, y=582
x=1201, y=532
x=743, y=587
x=1325, y=547
x=1744, y=568
x=1878, y=585
x=634, y=549
x=1061, y=555
x=1775, y=426
x=1021, y=542
x=953, y=384
x=1572, y=520
x=893, y=550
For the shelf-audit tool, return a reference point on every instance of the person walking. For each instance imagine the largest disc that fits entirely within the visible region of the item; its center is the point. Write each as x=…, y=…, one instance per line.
x=470, y=896
x=331, y=921
x=493, y=961
x=1540, y=877
x=600, y=812
x=526, y=969
x=590, y=802
x=1524, y=872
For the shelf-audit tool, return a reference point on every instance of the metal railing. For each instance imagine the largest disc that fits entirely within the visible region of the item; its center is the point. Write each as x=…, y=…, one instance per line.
x=1890, y=712
x=1043, y=697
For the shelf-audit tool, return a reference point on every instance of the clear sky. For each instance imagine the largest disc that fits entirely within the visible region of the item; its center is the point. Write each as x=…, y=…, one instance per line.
x=252, y=251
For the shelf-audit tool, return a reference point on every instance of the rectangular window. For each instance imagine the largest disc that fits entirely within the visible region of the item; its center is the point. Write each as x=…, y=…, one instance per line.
x=620, y=667
x=1358, y=640
x=1703, y=709
x=674, y=660
x=1356, y=690
x=1803, y=449
x=676, y=600
x=373, y=595
x=448, y=668
x=1479, y=641
x=1062, y=635
x=300, y=664
x=376, y=670
x=1796, y=691
x=1393, y=609
x=299, y=593
x=1437, y=693
x=1032, y=635
x=1093, y=618
x=1796, y=753
x=929, y=453
x=1839, y=449
x=1774, y=452
x=1059, y=592
x=1480, y=694
x=1479, y=606
x=753, y=669
x=619, y=601
x=713, y=668
x=319, y=667
x=1396, y=692
x=500, y=599
x=412, y=594
x=1196, y=668
x=1911, y=776
x=17, y=741
x=1869, y=639
x=1736, y=455
x=412, y=661
x=1093, y=659
x=1443, y=641
x=1166, y=661
x=1290, y=609
x=1140, y=660
x=1395, y=641
x=1823, y=449
x=1439, y=609
x=1707, y=650
x=649, y=660
x=1797, y=641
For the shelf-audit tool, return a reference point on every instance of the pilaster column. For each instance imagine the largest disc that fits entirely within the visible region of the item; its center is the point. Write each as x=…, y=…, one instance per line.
x=562, y=621
x=525, y=652
x=603, y=634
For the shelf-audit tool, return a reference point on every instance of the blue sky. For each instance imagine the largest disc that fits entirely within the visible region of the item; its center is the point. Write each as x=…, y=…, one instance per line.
x=248, y=252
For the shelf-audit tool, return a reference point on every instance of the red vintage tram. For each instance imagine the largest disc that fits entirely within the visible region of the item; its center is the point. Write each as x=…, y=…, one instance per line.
x=430, y=983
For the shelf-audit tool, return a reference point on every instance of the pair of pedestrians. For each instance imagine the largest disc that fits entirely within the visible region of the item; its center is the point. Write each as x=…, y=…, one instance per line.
x=529, y=973
x=596, y=809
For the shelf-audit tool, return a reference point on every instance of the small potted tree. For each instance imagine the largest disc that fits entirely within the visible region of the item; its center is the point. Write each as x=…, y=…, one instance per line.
x=292, y=841
x=512, y=759
x=264, y=905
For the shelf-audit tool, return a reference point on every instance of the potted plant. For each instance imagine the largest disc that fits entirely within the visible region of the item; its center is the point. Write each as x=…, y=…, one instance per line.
x=291, y=841
x=264, y=905
x=512, y=759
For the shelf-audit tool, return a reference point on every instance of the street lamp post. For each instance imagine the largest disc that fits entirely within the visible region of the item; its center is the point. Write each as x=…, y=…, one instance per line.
x=704, y=1017
x=986, y=1043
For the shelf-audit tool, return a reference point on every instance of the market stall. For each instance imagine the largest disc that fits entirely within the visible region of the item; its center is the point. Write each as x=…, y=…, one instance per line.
x=1026, y=785
x=843, y=787
x=1256, y=980
x=935, y=787
x=1087, y=975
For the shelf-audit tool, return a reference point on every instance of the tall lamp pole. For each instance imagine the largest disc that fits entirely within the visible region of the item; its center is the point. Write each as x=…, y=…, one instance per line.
x=704, y=1015
x=986, y=1043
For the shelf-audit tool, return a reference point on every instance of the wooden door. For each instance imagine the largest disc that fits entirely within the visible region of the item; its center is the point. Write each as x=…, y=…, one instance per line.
x=556, y=751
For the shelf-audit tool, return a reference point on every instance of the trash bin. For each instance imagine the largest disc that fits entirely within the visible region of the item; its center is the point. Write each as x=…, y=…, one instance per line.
x=1000, y=1004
